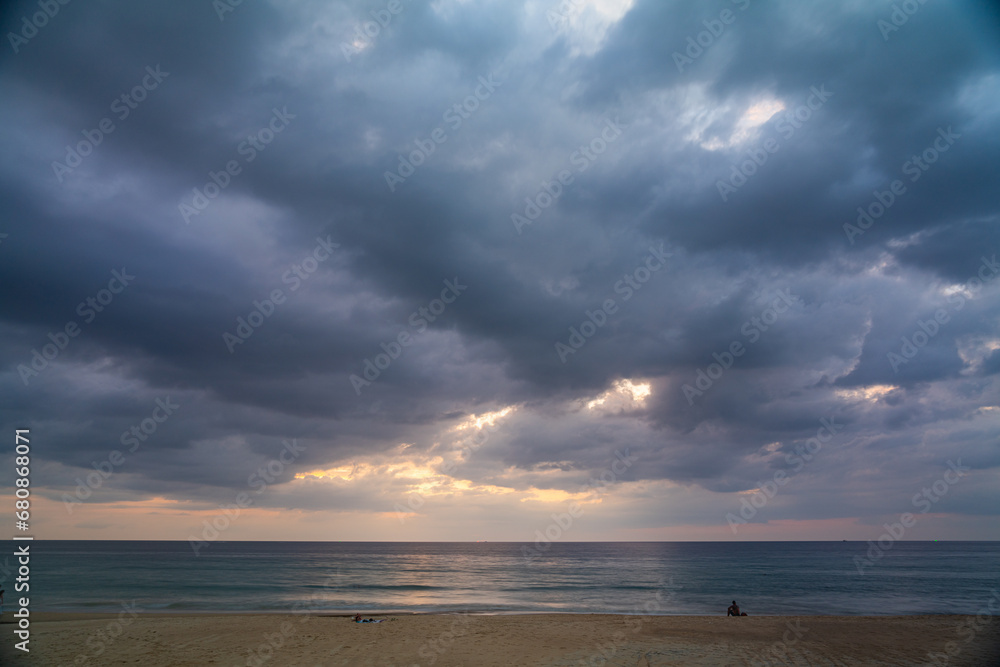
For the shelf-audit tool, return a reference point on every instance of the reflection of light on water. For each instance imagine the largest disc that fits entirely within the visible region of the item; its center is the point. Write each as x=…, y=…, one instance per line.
x=789, y=578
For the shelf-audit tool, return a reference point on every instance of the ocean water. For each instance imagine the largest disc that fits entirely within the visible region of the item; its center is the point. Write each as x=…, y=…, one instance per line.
x=765, y=578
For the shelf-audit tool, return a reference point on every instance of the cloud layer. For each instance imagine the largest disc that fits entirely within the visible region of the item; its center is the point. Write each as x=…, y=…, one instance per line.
x=462, y=253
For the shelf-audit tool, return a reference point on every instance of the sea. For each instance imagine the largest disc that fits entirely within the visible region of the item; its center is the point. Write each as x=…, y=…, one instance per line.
x=694, y=578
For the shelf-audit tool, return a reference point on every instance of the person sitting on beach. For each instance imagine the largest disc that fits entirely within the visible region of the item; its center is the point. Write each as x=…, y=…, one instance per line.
x=734, y=610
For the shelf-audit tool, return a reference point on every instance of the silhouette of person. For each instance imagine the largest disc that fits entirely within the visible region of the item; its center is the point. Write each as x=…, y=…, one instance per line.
x=734, y=610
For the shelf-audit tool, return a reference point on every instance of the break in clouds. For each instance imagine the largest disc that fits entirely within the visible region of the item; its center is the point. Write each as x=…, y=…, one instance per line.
x=459, y=258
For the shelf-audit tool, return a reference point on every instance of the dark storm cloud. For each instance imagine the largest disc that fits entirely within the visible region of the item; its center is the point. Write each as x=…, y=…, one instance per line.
x=853, y=297
x=888, y=99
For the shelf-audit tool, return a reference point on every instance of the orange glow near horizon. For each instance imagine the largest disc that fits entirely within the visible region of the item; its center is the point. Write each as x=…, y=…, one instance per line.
x=443, y=519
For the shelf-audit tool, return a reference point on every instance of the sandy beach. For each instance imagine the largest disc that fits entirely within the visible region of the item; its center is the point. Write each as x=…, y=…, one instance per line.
x=538, y=639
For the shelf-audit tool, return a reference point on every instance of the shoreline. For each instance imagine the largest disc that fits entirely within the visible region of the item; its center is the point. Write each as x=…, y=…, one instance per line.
x=445, y=640
x=52, y=616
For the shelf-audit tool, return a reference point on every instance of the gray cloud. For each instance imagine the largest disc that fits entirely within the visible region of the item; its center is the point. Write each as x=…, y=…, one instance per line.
x=828, y=355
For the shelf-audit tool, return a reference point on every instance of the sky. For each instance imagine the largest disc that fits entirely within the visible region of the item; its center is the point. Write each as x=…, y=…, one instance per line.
x=501, y=269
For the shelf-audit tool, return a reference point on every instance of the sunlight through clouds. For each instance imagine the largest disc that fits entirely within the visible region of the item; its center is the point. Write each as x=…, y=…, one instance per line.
x=585, y=23
x=624, y=394
x=484, y=419
x=491, y=108
x=870, y=394
x=756, y=115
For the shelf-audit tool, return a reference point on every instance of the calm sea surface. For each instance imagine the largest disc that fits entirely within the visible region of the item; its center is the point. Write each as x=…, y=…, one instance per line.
x=643, y=577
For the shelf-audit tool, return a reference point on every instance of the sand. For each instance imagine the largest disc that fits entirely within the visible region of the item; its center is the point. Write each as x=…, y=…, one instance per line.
x=535, y=639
